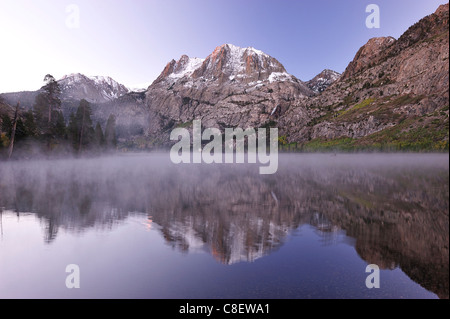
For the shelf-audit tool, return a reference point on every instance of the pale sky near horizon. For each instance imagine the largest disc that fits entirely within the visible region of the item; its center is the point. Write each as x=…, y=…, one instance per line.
x=133, y=40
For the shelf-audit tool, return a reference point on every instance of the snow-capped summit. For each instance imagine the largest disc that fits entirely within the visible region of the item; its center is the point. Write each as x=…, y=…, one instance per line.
x=323, y=80
x=95, y=89
x=185, y=66
x=231, y=87
x=227, y=63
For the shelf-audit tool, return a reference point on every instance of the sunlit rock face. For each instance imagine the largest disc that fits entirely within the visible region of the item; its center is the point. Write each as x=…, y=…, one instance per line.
x=232, y=87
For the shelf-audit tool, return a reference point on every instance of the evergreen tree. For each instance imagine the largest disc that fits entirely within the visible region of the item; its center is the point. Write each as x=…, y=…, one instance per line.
x=81, y=131
x=59, y=127
x=5, y=131
x=21, y=131
x=41, y=113
x=29, y=124
x=6, y=125
x=73, y=131
x=110, y=132
x=47, y=110
x=52, y=91
x=99, y=137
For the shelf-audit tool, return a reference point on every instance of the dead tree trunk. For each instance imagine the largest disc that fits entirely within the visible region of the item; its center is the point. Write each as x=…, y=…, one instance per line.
x=13, y=133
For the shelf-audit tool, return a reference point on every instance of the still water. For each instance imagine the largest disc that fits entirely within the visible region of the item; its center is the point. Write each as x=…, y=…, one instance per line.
x=139, y=226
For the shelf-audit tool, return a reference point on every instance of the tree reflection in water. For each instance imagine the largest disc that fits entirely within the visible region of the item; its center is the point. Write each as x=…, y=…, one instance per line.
x=395, y=207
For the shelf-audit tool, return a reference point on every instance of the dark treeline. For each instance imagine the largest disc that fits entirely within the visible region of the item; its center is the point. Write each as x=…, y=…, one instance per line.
x=44, y=131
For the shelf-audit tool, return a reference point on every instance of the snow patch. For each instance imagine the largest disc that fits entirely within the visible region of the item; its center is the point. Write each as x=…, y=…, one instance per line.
x=190, y=67
x=280, y=77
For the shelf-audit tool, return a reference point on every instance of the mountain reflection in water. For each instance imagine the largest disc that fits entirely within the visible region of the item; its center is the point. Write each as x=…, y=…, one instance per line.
x=395, y=207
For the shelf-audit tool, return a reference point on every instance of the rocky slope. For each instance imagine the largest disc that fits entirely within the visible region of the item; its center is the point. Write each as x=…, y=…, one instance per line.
x=232, y=87
x=131, y=116
x=5, y=108
x=393, y=94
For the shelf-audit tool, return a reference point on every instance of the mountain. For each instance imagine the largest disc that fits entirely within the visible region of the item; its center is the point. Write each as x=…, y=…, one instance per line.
x=228, y=63
x=232, y=87
x=367, y=55
x=96, y=89
x=393, y=95
x=106, y=96
x=323, y=80
x=74, y=87
x=26, y=98
x=131, y=116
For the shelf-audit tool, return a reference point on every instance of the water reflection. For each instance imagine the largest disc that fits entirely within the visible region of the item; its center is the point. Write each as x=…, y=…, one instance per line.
x=393, y=209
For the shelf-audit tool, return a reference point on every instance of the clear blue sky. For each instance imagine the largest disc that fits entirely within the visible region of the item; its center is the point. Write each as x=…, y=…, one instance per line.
x=132, y=40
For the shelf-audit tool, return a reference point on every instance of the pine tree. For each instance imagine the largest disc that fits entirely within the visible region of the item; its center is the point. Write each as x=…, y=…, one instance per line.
x=5, y=131
x=59, y=127
x=47, y=110
x=81, y=131
x=40, y=108
x=6, y=125
x=99, y=137
x=110, y=132
x=52, y=91
x=21, y=131
x=29, y=124
x=73, y=131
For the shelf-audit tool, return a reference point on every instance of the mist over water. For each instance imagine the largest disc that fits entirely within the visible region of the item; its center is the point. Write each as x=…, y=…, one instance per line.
x=163, y=230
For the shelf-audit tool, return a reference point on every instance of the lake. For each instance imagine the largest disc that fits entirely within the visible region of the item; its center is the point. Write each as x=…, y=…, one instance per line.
x=138, y=226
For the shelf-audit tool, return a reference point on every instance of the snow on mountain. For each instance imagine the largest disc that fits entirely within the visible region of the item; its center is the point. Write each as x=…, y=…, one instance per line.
x=97, y=89
x=185, y=67
x=323, y=80
x=227, y=63
x=231, y=87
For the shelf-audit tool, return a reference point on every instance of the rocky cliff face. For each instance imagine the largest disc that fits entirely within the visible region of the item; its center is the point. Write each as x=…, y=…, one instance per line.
x=395, y=92
x=232, y=87
x=367, y=54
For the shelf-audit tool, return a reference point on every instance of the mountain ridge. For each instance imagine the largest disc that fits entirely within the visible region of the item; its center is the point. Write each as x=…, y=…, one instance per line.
x=394, y=92
x=396, y=100
x=231, y=87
